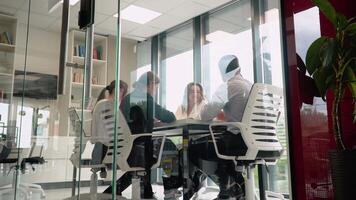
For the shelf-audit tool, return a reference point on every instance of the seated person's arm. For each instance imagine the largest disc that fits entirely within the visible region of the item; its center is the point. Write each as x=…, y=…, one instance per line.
x=163, y=114
x=212, y=109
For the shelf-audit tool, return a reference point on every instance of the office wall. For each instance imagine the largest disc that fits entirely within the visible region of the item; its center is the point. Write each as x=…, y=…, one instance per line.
x=43, y=53
x=128, y=59
x=43, y=50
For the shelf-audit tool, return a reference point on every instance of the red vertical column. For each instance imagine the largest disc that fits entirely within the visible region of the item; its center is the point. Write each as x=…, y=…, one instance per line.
x=310, y=133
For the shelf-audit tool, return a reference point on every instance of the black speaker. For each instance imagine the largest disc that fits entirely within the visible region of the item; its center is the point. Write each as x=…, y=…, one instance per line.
x=86, y=13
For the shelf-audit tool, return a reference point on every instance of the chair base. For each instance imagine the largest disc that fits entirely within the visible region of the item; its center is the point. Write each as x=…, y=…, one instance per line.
x=88, y=196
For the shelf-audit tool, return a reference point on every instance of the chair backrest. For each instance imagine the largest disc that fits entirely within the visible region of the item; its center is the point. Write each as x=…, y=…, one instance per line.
x=77, y=126
x=104, y=113
x=260, y=117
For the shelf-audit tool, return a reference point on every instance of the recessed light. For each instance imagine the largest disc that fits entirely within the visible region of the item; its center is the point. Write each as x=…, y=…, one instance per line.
x=138, y=14
x=218, y=36
x=249, y=19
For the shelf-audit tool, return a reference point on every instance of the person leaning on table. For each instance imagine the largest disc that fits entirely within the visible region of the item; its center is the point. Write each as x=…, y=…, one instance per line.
x=141, y=111
x=231, y=97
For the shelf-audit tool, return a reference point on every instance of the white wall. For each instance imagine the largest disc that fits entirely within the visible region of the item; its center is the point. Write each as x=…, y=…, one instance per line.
x=42, y=52
x=128, y=59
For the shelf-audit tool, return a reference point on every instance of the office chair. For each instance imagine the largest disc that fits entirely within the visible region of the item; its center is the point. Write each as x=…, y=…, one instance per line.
x=82, y=129
x=104, y=111
x=25, y=191
x=258, y=134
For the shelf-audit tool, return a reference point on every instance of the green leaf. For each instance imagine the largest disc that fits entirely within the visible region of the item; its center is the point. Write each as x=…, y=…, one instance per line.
x=312, y=59
x=352, y=86
x=327, y=52
x=351, y=29
x=327, y=9
x=349, y=75
x=330, y=81
x=320, y=76
x=341, y=21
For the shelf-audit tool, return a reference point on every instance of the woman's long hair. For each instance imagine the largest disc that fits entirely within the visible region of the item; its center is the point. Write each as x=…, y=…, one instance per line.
x=186, y=94
x=111, y=89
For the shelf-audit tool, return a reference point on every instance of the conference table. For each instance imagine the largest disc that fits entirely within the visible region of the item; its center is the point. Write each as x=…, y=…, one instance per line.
x=186, y=129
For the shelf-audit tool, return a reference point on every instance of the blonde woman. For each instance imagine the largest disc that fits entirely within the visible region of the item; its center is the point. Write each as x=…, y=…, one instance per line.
x=193, y=102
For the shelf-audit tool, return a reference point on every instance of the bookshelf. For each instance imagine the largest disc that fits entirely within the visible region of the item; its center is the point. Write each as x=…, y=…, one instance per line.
x=76, y=53
x=8, y=26
x=74, y=77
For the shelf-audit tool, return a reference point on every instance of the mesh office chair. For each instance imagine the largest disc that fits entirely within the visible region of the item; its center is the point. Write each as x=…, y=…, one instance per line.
x=25, y=191
x=104, y=113
x=258, y=133
x=82, y=133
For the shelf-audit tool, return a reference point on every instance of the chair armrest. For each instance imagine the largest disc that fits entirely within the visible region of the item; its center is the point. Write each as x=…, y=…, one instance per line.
x=135, y=136
x=157, y=164
x=238, y=125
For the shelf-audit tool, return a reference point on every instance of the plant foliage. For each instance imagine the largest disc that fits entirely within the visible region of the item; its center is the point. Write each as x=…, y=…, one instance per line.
x=331, y=61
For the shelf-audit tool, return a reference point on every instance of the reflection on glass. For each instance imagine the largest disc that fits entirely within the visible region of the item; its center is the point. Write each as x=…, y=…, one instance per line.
x=313, y=113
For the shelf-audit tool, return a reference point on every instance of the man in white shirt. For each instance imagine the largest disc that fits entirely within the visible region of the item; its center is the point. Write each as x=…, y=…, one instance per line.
x=231, y=97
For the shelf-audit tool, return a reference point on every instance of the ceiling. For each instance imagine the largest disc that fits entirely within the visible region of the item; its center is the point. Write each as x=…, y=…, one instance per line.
x=173, y=12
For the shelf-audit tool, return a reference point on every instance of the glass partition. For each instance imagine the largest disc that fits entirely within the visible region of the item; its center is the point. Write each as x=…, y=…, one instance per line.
x=124, y=78
x=271, y=70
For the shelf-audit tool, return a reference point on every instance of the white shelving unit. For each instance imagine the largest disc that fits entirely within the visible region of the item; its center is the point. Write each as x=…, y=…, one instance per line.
x=74, y=76
x=8, y=26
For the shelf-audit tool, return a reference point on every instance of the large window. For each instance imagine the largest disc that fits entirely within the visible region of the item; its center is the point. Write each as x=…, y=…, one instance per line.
x=176, y=69
x=143, y=59
x=227, y=32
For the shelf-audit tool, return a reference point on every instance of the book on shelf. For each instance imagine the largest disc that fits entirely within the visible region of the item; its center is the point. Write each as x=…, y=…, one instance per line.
x=79, y=50
x=99, y=50
x=6, y=38
x=95, y=53
x=94, y=80
x=77, y=77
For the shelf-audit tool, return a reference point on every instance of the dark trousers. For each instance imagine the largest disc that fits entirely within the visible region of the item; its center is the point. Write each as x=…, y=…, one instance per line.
x=223, y=172
x=140, y=156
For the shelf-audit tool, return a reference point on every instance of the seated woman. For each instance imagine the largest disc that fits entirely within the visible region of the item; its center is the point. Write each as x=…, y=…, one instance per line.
x=193, y=102
x=97, y=138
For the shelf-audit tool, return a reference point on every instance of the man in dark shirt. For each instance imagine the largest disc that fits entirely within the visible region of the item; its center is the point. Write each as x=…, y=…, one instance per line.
x=141, y=112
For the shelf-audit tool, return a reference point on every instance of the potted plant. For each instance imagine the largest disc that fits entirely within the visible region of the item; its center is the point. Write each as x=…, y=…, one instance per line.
x=331, y=61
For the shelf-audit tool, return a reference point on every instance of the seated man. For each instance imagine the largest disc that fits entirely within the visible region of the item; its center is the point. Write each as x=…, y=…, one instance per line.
x=140, y=111
x=231, y=97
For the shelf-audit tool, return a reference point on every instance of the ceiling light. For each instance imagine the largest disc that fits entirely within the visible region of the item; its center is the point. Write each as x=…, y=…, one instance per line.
x=218, y=36
x=249, y=19
x=54, y=4
x=138, y=14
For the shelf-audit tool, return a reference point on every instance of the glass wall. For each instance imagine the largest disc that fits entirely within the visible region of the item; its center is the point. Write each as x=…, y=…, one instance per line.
x=270, y=71
x=69, y=144
x=46, y=141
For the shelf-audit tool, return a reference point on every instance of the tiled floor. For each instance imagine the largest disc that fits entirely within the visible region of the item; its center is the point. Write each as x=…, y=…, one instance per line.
x=59, y=194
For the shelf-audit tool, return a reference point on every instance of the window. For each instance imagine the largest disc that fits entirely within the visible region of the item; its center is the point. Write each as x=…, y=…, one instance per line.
x=269, y=71
x=227, y=32
x=176, y=69
x=143, y=59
